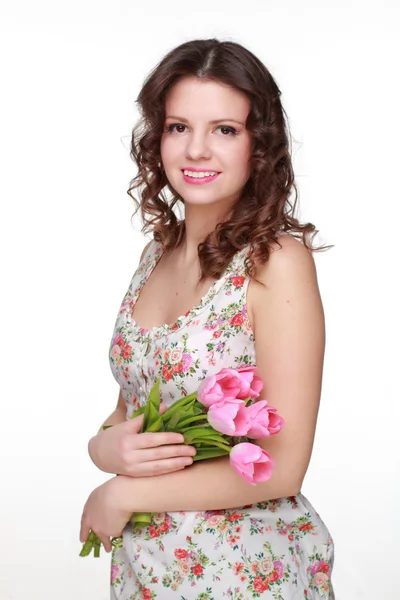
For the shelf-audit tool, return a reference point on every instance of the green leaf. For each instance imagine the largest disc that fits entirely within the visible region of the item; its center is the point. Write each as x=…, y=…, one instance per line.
x=152, y=406
x=206, y=432
x=138, y=412
x=199, y=406
x=213, y=443
x=154, y=396
x=190, y=420
x=146, y=417
x=173, y=421
x=178, y=404
x=156, y=425
x=205, y=453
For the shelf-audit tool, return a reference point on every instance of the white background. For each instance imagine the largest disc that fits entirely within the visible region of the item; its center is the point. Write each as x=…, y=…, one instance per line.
x=70, y=74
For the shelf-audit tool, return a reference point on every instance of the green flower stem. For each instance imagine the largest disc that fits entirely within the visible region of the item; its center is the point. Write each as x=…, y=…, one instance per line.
x=179, y=404
x=197, y=435
x=191, y=420
x=96, y=546
x=115, y=541
x=140, y=520
x=201, y=432
x=137, y=413
x=217, y=444
x=204, y=453
x=87, y=546
x=92, y=542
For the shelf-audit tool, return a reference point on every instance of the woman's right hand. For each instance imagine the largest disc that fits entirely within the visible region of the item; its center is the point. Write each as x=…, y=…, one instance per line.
x=123, y=450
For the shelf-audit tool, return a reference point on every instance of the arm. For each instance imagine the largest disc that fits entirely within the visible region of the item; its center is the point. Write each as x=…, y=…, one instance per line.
x=288, y=323
x=118, y=415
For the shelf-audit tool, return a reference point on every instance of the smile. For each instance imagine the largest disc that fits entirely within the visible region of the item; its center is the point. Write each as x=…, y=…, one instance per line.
x=199, y=176
x=199, y=173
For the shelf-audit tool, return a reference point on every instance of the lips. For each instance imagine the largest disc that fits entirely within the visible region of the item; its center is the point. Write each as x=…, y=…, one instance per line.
x=199, y=180
x=199, y=170
x=210, y=172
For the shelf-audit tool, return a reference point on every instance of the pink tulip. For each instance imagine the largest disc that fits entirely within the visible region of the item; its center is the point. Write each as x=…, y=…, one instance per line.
x=264, y=420
x=224, y=386
x=251, y=462
x=229, y=417
x=250, y=384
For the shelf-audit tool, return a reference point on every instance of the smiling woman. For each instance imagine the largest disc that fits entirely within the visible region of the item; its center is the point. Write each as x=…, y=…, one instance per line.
x=228, y=286
x=205, y=149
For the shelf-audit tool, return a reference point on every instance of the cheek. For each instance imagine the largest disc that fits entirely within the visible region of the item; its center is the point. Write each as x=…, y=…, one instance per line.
x=241, y=162
x=163, y=149
x=169, y=150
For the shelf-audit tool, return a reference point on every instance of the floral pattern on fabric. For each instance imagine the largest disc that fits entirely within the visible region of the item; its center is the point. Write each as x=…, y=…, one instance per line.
x=279, y=548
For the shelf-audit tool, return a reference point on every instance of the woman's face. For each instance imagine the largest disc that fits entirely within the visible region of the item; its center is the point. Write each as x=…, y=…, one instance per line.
x=205, y=146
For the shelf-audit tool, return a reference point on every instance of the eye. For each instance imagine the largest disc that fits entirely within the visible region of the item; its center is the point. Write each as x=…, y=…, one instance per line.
x=226, y=131
x=179, y=127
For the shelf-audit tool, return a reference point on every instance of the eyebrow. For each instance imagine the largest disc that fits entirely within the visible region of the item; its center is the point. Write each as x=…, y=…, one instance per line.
x=214, y=122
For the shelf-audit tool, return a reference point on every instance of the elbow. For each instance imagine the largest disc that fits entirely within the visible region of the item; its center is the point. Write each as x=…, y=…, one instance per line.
x=293, y=484
x=290, y=488
x=293, y=490
x=289, y=483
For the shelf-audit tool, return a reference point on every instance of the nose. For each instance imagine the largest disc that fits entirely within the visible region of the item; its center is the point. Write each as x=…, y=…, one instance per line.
x=197, y=147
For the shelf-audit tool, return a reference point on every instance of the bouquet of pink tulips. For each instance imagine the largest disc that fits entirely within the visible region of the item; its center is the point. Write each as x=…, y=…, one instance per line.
x=217, y=419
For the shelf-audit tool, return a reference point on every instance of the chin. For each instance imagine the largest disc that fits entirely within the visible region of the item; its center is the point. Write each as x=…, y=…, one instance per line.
x=207, y=199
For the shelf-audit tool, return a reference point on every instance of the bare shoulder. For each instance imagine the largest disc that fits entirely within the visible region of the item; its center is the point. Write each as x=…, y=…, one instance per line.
x=286, y=259
x=289, y=274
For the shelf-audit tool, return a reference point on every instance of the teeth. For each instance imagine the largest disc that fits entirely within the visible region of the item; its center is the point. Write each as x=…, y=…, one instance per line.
x=199, y=174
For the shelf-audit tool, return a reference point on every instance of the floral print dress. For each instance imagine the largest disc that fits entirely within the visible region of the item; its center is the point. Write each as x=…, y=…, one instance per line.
x=279, y=548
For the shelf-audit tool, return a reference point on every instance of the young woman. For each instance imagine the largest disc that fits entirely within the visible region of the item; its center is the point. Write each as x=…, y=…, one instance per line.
x=228, y=285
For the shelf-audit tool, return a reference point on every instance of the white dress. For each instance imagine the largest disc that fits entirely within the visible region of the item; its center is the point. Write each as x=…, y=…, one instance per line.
x=277, y=549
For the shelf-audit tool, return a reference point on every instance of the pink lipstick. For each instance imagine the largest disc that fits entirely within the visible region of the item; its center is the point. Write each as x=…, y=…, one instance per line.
x=199, y=180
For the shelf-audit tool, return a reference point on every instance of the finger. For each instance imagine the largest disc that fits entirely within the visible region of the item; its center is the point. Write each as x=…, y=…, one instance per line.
x=106, y=543
x=160, y=467
x=164, y=468
x=84, y=532
x=134, y=425
x=99, y=540
x=160, y=438
x=160, y=453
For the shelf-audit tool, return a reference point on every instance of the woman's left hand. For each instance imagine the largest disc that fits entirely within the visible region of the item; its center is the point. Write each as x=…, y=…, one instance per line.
x=104, y=514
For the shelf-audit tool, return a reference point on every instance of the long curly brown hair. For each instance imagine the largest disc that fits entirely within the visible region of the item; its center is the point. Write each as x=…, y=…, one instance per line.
x=263, y=210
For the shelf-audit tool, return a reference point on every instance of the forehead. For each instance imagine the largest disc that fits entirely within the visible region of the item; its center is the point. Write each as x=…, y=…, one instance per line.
x=198, y=98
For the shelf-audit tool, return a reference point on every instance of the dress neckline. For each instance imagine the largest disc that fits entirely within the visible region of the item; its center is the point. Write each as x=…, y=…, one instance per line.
x=150, y=263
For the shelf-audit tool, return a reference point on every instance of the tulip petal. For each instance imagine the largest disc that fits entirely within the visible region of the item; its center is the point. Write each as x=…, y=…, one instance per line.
x=242, y=421
x=251, y=462
x=220, y=423
x=251, y=384
x=246, y=452
x=229, y=417
x=224, y=385
x=264, y=420
x=263, y=471
x=246, y=474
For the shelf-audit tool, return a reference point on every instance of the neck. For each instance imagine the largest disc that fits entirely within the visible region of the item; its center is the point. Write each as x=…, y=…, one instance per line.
x=199, y=222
